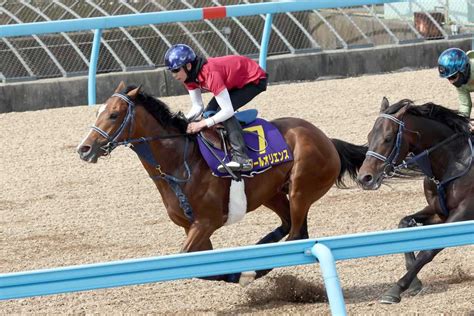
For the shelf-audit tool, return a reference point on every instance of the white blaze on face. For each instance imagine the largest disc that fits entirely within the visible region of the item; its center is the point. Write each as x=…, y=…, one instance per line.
x=101, y=109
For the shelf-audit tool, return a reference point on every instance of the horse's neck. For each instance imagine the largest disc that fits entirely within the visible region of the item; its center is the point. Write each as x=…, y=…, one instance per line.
x=432, y=133
x=167, y=151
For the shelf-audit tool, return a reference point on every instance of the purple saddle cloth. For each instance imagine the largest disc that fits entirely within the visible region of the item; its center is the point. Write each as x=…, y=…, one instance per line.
x=265, y=145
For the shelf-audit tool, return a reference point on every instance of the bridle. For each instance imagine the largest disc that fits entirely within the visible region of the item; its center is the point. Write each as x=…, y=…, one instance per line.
x=421, y=160
x=142, y=148
x=139, y=145
x=128, y=120
x=390, y=167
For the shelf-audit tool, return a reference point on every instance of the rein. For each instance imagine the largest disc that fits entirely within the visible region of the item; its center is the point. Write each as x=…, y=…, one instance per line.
x=421, y=160
x=142, y=148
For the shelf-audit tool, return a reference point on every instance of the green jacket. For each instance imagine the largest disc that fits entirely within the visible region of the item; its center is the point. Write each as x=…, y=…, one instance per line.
x=464, y=91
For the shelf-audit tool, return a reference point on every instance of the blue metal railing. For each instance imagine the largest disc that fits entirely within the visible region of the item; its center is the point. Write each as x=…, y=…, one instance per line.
x=100, y=23
x=206, y=263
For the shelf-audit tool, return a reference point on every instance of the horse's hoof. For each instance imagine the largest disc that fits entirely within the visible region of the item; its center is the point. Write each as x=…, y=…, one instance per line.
x=415, y=287
x=392, y=296
x=247, y=277
x=388, y=299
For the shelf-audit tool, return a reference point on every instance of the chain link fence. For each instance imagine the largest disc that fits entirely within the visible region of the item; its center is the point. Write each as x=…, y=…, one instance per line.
x=134, y=48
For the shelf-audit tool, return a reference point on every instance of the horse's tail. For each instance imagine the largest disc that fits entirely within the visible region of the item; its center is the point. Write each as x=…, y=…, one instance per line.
x=351, y=157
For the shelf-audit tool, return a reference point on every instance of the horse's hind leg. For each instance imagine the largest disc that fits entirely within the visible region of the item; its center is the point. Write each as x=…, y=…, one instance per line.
x=427, y=216
x=301, y=200
x=313, y=174
x=280, y=205
x=304, y=229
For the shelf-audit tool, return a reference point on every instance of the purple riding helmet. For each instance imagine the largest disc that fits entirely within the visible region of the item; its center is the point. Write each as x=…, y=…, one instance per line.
x=179, y=55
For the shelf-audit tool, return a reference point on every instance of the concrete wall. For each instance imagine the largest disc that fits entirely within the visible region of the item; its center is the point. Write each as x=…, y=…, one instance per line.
x=53, y=93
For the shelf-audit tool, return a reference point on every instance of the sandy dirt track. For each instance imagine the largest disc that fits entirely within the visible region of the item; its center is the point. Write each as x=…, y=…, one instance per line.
x=56, y=210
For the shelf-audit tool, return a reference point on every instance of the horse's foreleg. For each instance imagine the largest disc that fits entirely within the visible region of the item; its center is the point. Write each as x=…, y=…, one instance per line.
x=198, y=239
x=410, y=281
x=426, y=216
x=393, y=295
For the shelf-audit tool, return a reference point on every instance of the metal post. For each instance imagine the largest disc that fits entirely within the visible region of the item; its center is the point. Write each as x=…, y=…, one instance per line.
x=93, y=67
x=446, y=13
x=267, y=30
x=331, y=279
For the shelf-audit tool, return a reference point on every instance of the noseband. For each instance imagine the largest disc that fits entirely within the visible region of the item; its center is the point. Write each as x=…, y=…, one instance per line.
x=390, y=168
x=112, y=139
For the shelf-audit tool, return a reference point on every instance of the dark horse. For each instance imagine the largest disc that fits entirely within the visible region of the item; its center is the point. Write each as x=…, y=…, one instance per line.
x=289, y=189
x=440, y=145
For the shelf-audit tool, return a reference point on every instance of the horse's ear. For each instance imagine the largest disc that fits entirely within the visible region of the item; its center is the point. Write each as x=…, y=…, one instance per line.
x=120, y=87
x=133, y=93
x=385, y=104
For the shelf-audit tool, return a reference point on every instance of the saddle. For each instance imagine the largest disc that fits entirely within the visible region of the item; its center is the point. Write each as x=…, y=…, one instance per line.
x=217, y=135
x=265, y=144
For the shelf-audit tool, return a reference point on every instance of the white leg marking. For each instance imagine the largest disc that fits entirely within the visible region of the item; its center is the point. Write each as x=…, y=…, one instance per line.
x=237, y=202
x=247, y=277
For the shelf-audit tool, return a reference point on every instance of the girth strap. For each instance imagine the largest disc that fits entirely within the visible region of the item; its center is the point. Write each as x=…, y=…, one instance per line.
x=183, y=200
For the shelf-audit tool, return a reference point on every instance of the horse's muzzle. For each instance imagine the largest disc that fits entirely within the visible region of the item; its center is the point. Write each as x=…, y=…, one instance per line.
x=369, y=181
x=90, y=153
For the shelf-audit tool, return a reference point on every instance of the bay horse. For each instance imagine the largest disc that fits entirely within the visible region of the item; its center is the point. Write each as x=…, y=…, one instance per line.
x=130, y=116
x=439, y=142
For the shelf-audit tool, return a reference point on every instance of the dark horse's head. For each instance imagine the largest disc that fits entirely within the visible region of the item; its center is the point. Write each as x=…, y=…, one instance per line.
x=403, y=128
x=125, y=117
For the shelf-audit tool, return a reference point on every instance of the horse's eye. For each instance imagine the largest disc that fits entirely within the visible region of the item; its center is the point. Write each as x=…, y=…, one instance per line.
x=388, y=139
x=113, y=116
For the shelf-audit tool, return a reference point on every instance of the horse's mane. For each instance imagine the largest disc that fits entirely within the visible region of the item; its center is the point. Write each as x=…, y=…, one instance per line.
x=458, y=123
x=160, y=111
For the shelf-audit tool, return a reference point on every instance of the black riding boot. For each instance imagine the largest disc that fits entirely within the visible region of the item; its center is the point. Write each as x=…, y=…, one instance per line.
x=240, y=160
